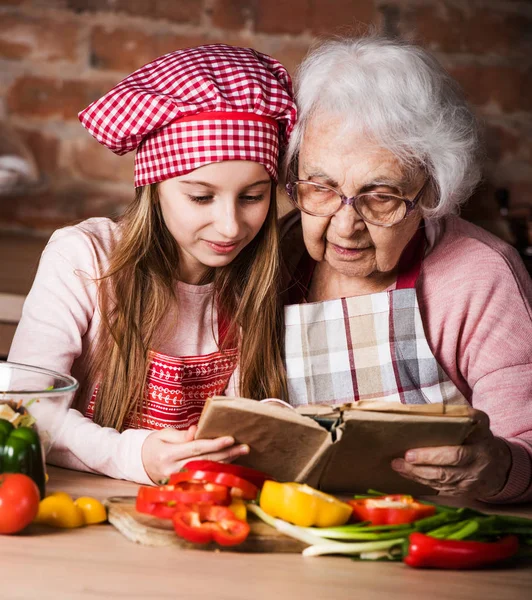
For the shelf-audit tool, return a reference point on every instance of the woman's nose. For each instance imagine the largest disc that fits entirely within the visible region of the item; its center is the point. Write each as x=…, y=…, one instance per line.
x=347, y=221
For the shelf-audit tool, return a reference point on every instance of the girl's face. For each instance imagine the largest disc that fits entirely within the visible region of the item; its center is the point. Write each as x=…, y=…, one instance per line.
x=214, y=212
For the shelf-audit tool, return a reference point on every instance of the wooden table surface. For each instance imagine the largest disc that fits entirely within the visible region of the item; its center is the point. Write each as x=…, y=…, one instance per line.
x=98, y=562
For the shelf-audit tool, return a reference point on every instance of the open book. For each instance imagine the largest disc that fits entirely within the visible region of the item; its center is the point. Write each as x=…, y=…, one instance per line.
x=345, y=448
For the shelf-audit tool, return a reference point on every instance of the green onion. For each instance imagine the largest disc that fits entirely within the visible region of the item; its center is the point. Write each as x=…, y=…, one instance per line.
x=356, y=534
x=348, y=549
x=293, y=531
x=468, y=529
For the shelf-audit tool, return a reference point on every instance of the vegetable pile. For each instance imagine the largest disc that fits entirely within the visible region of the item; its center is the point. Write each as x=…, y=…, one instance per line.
x=21, y=451
x=422, y=534
x=23, y=477
x=207, y=503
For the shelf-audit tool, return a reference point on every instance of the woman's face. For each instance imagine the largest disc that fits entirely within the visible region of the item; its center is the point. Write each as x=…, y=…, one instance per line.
x=214, y=212
x=349, y=246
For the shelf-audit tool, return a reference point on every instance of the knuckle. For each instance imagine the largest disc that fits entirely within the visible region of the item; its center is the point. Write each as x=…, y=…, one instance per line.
x=462, y=455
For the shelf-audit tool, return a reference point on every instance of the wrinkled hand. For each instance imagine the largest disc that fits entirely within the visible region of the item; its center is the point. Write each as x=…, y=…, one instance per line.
x=478, y=468
x=165, y=451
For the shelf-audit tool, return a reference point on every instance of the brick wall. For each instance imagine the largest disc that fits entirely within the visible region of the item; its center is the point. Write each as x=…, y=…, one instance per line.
x=56, y=56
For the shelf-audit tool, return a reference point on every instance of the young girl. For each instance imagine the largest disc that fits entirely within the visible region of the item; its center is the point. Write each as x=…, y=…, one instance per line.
x=152, y=312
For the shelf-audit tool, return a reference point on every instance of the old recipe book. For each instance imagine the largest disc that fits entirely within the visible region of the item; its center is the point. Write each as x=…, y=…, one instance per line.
x=345, y=448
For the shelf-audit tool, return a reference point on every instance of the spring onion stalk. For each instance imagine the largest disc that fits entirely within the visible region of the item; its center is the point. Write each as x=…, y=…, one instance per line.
x=350, y=548
x=317, y=546
x=355, y=534
x=293, y=531
x=469, y=528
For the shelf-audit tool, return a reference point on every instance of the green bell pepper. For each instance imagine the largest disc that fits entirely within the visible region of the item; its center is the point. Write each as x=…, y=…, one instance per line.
x=21, y=452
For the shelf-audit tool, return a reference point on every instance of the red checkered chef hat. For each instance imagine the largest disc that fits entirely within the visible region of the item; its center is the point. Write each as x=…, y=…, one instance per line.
x=197, y=106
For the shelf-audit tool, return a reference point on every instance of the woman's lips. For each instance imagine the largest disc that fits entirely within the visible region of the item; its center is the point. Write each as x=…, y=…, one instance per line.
x=222, y=247
x=349, y=252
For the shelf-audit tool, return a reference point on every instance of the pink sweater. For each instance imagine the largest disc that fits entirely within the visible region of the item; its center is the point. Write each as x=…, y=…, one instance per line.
x=475, y=298
x=59, y=323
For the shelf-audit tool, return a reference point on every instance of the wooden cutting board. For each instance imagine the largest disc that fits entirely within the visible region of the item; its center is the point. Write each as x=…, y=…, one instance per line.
x=151, y=531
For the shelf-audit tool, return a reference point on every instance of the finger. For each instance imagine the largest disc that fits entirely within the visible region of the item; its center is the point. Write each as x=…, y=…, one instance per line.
x=455, y=456
x=460, y=488
x=191, y=432
x=441, y=478
x=170, y=435
x=481, y=430
x=199, y=447
x=430, y=480
x=229, y=455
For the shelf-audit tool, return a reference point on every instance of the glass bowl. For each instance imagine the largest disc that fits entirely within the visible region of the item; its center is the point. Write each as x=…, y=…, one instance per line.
x=35, y=397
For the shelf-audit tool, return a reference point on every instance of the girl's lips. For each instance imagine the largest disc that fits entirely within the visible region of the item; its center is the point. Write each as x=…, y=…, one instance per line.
x=349, y=252
x=222, y=247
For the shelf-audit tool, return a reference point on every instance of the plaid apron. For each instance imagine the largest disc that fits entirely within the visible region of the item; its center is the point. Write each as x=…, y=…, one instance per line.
x=177, y=387
x=365, y=347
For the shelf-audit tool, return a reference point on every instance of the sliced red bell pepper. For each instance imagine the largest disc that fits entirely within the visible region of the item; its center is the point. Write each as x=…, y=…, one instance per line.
x=202, y=524
x=252, y=475
x=426, y=551
x=187, y=492
x=163, y=510
x=390, y=510
x=239, y=487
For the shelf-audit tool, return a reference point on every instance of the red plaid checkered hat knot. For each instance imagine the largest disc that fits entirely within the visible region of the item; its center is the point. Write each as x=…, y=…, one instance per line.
x=197, y=106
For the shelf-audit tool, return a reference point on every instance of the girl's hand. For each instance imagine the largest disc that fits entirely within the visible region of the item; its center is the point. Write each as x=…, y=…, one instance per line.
x=478, y=468
x=166, y=451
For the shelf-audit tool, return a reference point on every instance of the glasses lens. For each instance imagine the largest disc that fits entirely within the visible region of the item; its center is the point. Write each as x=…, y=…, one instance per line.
x=381, y=209
x=316, y=199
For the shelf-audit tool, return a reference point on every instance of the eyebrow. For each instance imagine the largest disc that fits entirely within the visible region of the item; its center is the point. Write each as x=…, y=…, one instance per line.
x=400, y=185
x=213, y=187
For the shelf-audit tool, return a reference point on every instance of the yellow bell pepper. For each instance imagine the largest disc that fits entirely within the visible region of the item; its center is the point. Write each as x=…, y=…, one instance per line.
x=93, y=510
x=302, y=505
x=238, y=508
x=60, y=510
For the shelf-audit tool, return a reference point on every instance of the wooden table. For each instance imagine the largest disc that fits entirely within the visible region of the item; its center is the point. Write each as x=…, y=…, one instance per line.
x=98, y=562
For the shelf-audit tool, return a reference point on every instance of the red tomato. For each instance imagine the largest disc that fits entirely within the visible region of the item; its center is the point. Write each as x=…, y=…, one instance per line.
x=19, y=502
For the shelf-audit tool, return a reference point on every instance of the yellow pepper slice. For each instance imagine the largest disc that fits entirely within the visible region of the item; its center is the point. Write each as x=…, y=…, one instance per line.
x=59, y=510
x=302, y=505
x=238, y=508
x=93, y=510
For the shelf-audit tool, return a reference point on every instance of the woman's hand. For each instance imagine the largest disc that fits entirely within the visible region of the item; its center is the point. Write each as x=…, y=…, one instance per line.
x=478, y=468
x=165, y=451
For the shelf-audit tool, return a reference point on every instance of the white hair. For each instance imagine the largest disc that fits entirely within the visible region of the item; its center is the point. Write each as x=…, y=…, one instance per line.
x=398, y=95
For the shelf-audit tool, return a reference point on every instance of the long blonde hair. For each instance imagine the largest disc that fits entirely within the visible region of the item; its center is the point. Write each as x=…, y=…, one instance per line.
x=137, y=288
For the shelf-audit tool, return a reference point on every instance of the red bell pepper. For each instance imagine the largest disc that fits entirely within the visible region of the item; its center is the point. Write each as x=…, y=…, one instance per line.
x=202, y=524
x=426, y=551
x=186, y=492
x=252, y=475
x=162, y=510
x=395, y=509
x=239, y=487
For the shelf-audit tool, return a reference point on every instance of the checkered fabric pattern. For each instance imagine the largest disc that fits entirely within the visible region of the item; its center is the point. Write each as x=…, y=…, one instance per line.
x=196, y=106
x=364, y=347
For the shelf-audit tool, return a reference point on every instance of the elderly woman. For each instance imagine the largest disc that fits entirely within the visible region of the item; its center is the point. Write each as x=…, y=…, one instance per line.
x=393, y=296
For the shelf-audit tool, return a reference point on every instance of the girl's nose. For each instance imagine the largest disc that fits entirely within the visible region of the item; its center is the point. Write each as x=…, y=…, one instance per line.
x=227, y=220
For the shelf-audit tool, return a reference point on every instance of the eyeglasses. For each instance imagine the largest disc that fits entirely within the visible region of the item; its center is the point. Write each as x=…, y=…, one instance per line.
x=320, y=200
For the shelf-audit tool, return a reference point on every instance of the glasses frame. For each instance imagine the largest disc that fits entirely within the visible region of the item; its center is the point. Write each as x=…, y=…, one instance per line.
x=410, y=204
